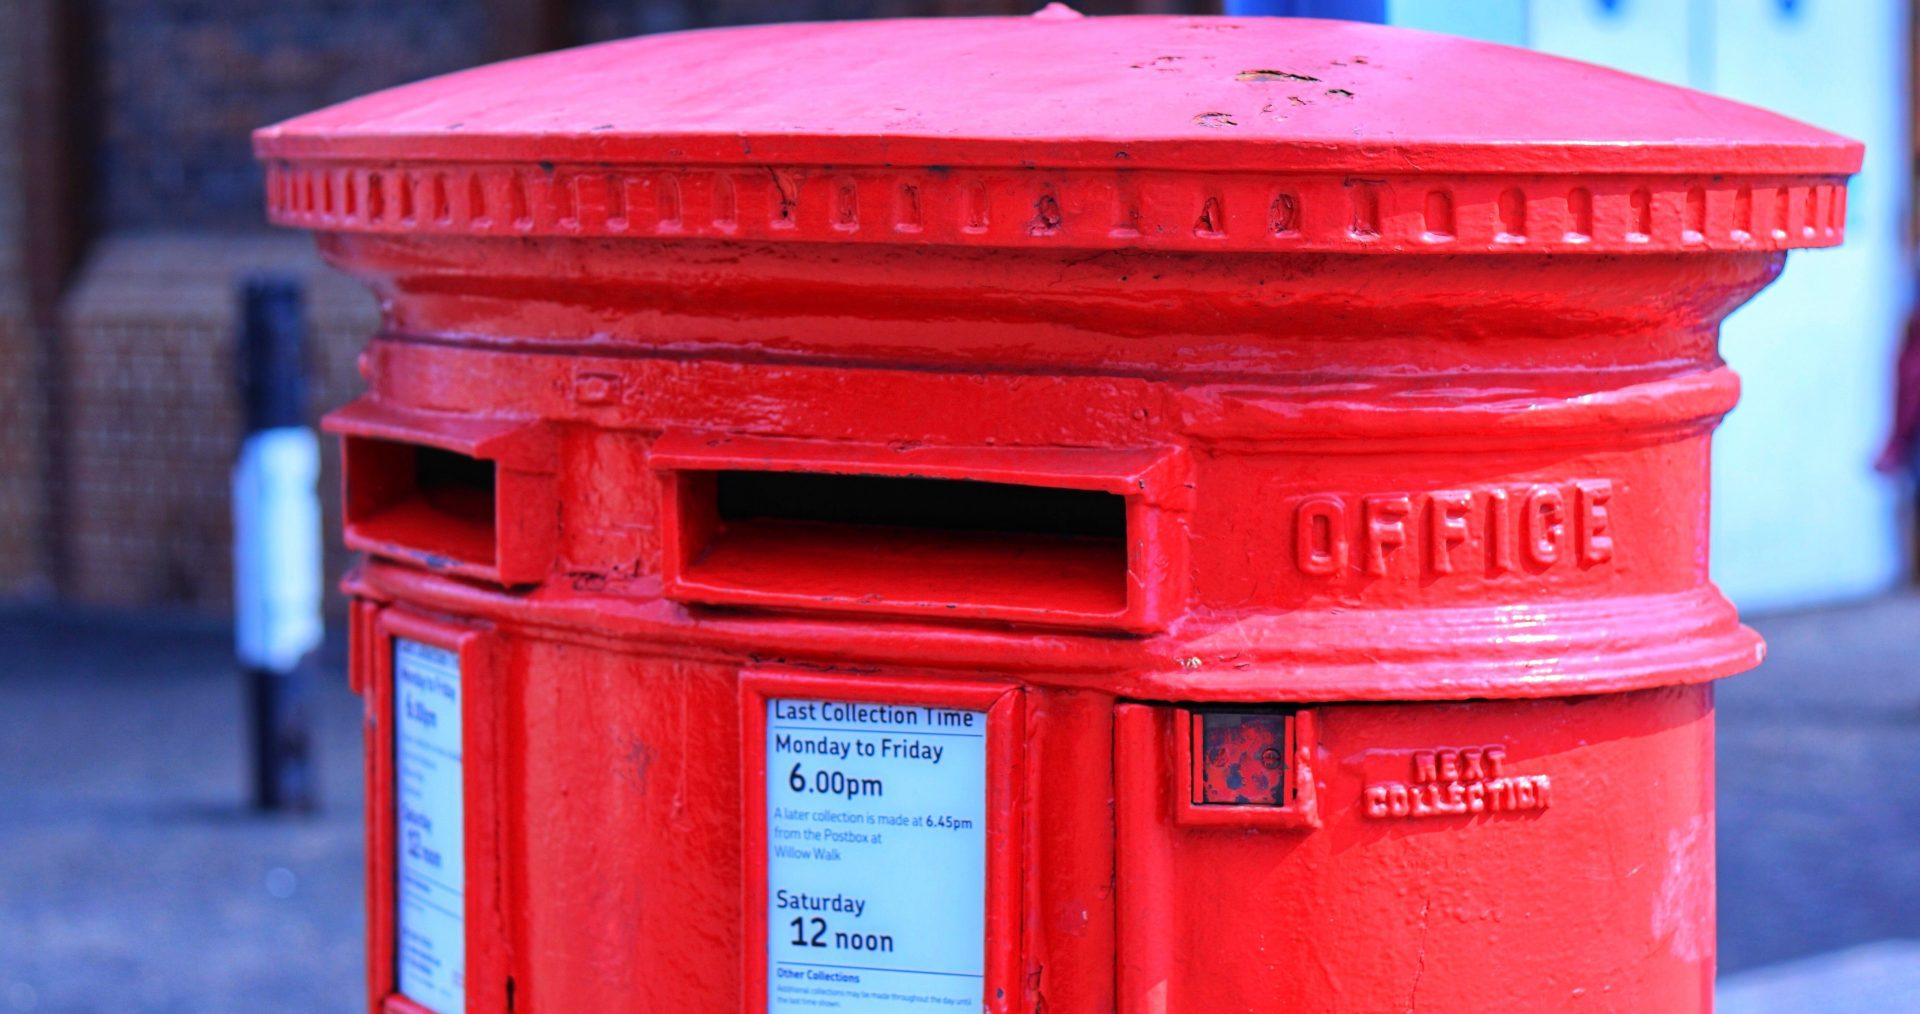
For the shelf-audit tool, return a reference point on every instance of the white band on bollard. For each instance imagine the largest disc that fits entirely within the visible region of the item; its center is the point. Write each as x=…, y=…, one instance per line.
x=276, y=548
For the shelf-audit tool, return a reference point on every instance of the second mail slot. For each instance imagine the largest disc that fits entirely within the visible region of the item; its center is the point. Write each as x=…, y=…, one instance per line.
x=1061, y=536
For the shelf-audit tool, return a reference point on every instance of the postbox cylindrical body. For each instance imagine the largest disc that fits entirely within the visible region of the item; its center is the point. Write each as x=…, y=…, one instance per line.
x=1049, y=514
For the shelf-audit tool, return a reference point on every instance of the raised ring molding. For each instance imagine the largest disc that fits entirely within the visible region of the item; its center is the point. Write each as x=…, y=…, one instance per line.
x=1070, y=209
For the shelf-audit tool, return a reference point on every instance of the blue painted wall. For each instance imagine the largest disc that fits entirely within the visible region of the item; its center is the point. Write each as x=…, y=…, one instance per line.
x=1799, y=517
x=1348, y=10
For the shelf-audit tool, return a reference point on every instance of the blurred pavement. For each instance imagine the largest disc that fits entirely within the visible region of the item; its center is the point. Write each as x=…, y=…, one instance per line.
x=1877, y=978
x=1819, y=787
x=132, y=878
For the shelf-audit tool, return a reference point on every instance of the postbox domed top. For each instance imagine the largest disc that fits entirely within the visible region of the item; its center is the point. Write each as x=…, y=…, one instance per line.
x=1173, y=131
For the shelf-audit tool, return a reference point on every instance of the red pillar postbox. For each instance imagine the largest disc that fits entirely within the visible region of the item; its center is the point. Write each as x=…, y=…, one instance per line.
x=1051, y=514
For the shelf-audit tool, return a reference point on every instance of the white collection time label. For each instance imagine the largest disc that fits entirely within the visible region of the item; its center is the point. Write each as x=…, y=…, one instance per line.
x=876, y=857
x=429, y=844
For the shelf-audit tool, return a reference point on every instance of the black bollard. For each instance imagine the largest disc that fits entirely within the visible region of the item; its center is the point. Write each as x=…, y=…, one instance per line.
x=276, y=544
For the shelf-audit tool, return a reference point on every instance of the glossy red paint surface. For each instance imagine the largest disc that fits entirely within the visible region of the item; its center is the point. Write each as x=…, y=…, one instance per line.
x=1379, y=419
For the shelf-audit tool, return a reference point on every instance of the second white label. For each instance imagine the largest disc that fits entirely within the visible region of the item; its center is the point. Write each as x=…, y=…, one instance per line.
x=876, y=857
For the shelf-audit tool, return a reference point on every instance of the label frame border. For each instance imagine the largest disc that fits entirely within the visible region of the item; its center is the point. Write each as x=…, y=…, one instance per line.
x=480, y=710
x=1002, y=702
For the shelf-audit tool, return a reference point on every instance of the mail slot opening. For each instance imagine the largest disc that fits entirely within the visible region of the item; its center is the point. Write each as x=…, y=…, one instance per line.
x=420, y=501
x=946, y=546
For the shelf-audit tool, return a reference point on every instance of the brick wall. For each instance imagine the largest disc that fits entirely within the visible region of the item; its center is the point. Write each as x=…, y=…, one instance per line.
x=183, y=82
x=599, y=20
x=153, y=418
x=21, y=491
x=22, y=500
x=615, y=19
x=11, y=293
x=148, y=329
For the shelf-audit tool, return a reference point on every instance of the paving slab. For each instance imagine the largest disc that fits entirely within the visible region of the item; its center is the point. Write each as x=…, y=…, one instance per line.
x=1876, y=978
